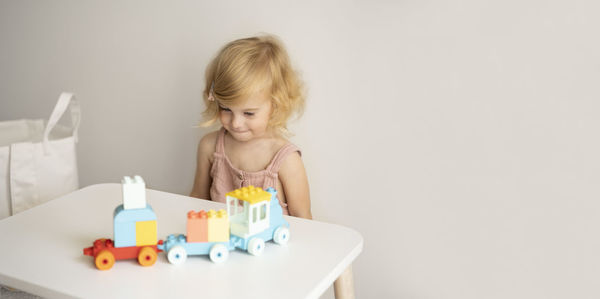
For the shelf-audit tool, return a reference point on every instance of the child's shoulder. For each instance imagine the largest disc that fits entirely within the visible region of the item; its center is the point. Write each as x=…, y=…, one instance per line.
x=292, y=152
x=208, y=144
x=279, y=141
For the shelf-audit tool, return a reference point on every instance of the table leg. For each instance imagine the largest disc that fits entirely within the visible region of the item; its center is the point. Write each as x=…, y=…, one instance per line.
x=343, y=287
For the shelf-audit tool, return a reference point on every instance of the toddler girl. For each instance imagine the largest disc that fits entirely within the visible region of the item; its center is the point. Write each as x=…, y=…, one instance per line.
x=252, y=91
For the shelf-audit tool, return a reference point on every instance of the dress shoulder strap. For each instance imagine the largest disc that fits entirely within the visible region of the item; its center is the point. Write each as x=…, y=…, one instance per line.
x=281, y=155
x=220, y=146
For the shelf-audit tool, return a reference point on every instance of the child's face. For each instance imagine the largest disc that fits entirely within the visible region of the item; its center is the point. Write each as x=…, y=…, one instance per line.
x=247, y=119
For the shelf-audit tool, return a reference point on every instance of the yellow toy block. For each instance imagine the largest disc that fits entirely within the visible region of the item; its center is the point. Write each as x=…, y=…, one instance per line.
x=250, y=194
x=218, y=226
x=146, y=233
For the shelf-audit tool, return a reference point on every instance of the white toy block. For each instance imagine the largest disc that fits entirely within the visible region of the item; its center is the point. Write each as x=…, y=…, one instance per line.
x=134, y=193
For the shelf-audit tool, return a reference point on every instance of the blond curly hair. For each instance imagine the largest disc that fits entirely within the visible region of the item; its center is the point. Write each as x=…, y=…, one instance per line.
x=248, y=65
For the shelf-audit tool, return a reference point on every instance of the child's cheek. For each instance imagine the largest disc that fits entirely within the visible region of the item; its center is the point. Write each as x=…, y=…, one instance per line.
x=222, y=117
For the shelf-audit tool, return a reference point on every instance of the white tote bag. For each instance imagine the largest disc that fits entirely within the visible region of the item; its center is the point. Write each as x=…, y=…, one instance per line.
x=38, y=163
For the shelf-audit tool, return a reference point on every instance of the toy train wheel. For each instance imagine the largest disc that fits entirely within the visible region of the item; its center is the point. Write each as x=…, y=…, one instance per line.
x=104, y=260
x=177, y=255
x=256, y=246
x=147, y=256
x=219, y=253
x=281, y=235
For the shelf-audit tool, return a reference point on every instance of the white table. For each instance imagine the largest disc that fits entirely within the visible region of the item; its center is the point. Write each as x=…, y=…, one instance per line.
x=41, y=252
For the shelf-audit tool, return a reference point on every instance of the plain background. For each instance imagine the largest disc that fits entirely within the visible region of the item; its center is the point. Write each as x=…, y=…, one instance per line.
x=460, y=138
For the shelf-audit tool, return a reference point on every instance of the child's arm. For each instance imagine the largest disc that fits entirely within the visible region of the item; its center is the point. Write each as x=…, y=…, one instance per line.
x=202, y=182
x=295, y=186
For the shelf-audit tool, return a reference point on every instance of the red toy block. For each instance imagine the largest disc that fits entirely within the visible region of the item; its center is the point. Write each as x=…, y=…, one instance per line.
x=105, y=253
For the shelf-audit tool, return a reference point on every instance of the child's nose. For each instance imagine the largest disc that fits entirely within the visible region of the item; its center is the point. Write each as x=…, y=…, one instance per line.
x=237, y=121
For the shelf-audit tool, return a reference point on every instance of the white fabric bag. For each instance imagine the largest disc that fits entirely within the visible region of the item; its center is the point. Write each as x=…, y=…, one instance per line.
x=38, y=163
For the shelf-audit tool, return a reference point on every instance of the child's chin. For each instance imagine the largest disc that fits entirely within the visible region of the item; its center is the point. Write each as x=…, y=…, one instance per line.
x=241, y=136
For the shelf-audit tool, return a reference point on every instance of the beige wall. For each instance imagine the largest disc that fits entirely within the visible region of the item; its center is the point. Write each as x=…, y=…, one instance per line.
x=461, y=139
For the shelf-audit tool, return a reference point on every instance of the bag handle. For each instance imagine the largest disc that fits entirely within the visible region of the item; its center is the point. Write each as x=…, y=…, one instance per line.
x=64, y=100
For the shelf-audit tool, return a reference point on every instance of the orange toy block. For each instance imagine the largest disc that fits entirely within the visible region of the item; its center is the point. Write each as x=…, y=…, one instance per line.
x=197, y=227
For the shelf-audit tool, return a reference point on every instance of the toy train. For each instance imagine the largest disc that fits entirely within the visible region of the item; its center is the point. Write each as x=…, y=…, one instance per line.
x=253, y=217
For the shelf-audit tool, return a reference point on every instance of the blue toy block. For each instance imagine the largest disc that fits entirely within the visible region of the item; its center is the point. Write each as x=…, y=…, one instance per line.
x=203, y=248
x=125, y=224
x=143, y=214
x=276, y=214
x=172, y=240
x=124, y=233
x=241, y=243
x=194, y=248
x=177, y=249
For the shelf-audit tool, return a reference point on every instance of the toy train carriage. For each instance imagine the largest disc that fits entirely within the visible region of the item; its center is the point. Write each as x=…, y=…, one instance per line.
x=135, y=230
x=207, y=233
x=255, y=217
x=259, y=219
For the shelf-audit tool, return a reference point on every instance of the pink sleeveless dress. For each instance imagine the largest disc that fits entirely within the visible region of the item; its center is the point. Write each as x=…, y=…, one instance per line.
x=225, y=177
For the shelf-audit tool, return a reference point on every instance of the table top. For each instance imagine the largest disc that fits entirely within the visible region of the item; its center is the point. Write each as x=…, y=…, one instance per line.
x=42, y=253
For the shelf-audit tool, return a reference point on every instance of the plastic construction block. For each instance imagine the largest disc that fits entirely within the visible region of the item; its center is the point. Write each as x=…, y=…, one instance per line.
x=143, y=214
x=105, y=253
x=258, y=217
x=134, y=192
x=276, y=213
x=125, y=224
x=250, y=194
x=146, y=233
x=218, y=226
x=124, y=233
x=197, y=226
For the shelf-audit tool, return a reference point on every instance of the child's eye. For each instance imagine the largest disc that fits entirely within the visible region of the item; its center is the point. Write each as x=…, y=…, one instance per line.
x=249, y=113
x=224, y=109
